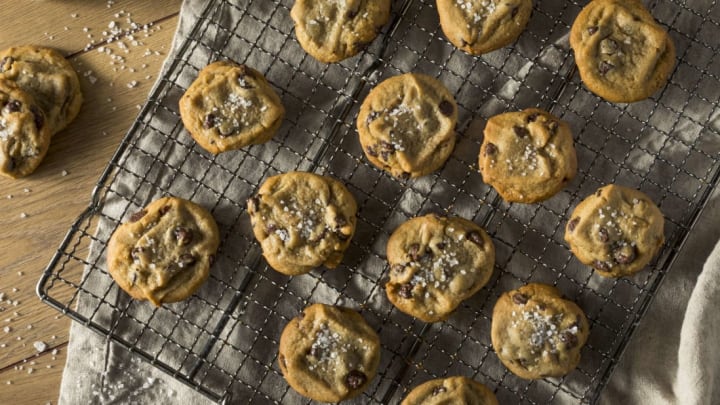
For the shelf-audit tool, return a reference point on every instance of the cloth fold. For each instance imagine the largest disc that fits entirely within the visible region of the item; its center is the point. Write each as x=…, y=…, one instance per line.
x=652, y=370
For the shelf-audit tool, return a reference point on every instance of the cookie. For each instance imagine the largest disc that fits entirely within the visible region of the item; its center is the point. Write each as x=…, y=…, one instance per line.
x=24, y=133
x=479, y=27
x=622, y=54
x=451, y=391
x=435, y=264
x=163, y=253
x=230, y=106
x=49, y=78
x=332, y=30
x=407, y=125
x=527, y=156
x=536, y=333
x=329, y=353
x=302, y=221
x=616, y=230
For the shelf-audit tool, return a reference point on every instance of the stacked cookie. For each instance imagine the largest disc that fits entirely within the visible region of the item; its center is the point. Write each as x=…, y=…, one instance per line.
x=39, y=96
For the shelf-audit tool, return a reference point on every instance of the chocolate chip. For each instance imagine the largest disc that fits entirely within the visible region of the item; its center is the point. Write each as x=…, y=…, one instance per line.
x=573, y=223
x=183, y=235
x=210, y=121
x=138, y=215
x=270, y=228
x=601, y=265
x=446, y=108
x=605, y=67
x=352, y=14
x=355, y=379
x=440, y=246
x=532, y=117
x=13, y=106
x=186, y=259
x=490, y=149
x=405, y=291
x=414, y=252
x=520, y=298
x=164, y=210
x=521, y=132
x=592, y=30
x=372, y=152
x=404, y=176
x=386, y=149
x=625, y=254
x=38, y=116
x=514, y=12
x=570, y=339
x=438, y=390
x=253, y=204
x=476, y=238
x=598, y=193
x=603, y=235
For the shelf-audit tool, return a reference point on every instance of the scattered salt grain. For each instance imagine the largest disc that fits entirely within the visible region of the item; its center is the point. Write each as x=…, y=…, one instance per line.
x=23, y=215
x=40, y=346
x=132, y=84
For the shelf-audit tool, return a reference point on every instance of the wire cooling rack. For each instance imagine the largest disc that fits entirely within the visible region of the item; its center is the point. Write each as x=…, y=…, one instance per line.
x=223, y=341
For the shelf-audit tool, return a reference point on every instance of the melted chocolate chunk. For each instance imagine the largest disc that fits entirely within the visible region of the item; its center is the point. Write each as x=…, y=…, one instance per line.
x=210, y=121
x=520, y=299
x=13, y=106
x=386, y=149
x=164, y=210
x=570, y=339
x=573, y=223
x=138, y=215
x=521, y=132
x=490, y=149
x=38, y=116
x=605, y=67
x=372, y=152
x=476, y=238
x=414, y=252
x=624, y=254
x=446, y=108
x=270, y=228
x=405, y=291
x=438, y=390
x=592, y=30
x=532, y=117
x=404, y=176
x=440, y=246
x=514, y=12
x=352, y=14
x=183, y=235
x=355, y=379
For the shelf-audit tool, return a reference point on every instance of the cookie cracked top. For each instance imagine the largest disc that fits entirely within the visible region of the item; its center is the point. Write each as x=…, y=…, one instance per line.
x=617, y=230
x=407, y=125
x=302, y=221
x=622, y=53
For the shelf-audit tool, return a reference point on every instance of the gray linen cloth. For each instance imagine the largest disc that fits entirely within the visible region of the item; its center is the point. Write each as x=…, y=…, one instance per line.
x=670, y=359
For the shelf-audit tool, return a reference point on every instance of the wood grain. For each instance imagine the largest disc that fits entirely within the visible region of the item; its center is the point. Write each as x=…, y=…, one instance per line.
x=44, y=205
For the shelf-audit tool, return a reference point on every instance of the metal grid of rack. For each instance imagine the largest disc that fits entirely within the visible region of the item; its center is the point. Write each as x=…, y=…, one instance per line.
x=223, y=340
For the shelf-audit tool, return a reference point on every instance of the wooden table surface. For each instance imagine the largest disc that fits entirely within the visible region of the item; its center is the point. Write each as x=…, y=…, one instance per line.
x=38, y=210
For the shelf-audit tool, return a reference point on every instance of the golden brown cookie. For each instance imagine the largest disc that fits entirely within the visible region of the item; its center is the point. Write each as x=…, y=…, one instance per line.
x=332, y=30
x=48, y=77
x=329, y=353
x=622, y=53
x=617, y=230
x=435, y=264
x=24, y=134
x=536, y=333
x=230, y=106
x=407, y=125
x=164, y=252
x=302, y=221
x=482, y=26
x=451, y=391
x=527, y=156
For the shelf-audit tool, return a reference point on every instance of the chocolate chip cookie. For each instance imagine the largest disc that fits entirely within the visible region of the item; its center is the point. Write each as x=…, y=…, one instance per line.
x=302, y=221
x=49, y=78
x=527, y=156
x=435, y=264
x=332, y=30
x=329, y=353
x=622, y=53
x=451, y=391
x=407, y=125
x=24, y=134
x=536, y=333
x=230, y=106
x=482, y=26
x=163, y=253
x=616, y=230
